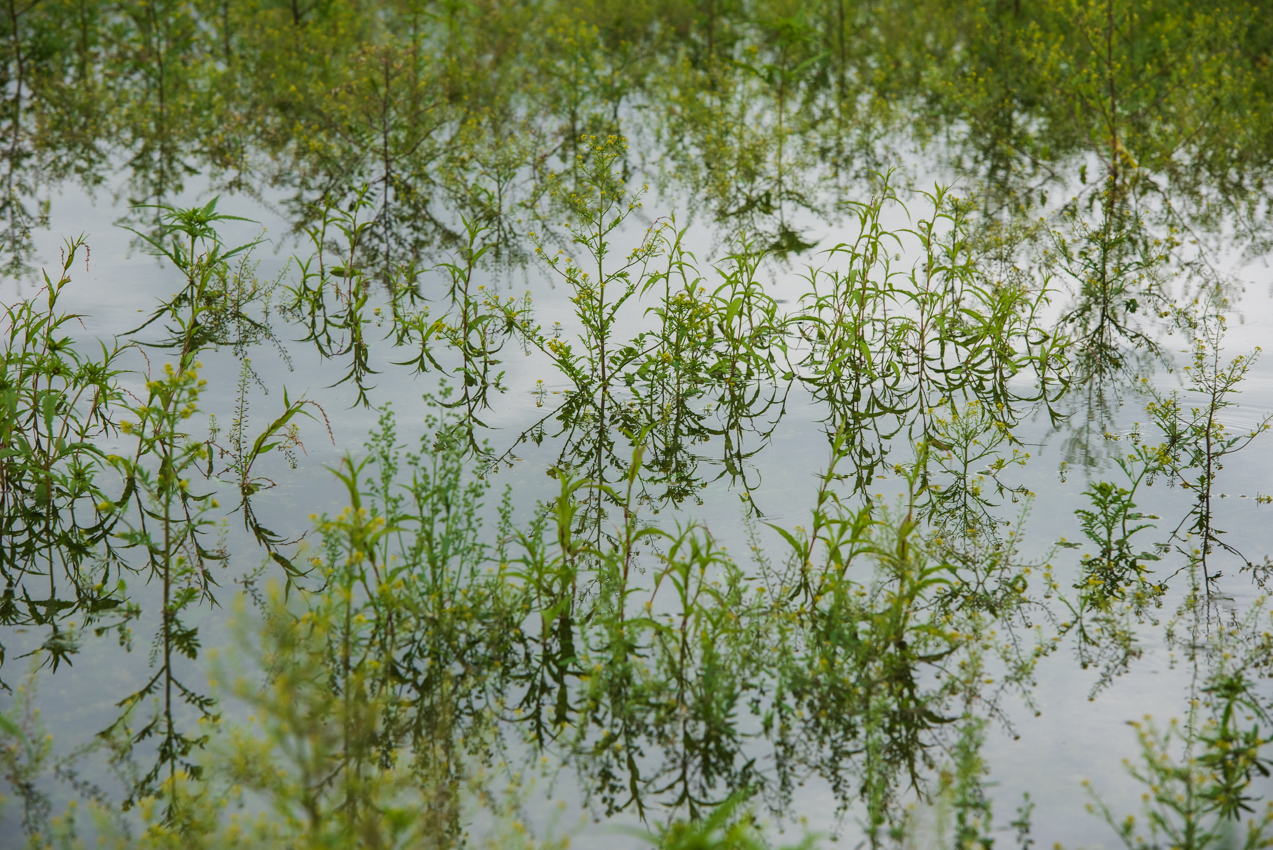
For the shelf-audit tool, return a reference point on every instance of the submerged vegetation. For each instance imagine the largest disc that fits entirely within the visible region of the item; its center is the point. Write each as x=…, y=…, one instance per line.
x=406, y=664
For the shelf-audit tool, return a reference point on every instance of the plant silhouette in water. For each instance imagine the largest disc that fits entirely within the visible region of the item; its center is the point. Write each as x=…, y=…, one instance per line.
x=642, y=655
x=1198, y=774
x=56, y=516
x=158, y=521
x=1196, y=441
x=428, y=646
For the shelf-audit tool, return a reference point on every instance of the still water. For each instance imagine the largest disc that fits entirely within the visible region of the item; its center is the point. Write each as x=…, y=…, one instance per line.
x=866, y=507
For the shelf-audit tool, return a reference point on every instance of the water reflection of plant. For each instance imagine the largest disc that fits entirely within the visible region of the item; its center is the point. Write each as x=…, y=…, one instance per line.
x=1117, y=268
x=1117, y=588
x=885, y=347
x=753, y=105
x=166, y=524
x=648, y=659
x=639, y=658
x=1198, y=774
x=1195, y=439
x=758, y=110
x=56, y=514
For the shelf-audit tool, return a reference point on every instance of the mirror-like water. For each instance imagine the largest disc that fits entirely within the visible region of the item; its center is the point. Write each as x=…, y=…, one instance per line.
x=726, y=422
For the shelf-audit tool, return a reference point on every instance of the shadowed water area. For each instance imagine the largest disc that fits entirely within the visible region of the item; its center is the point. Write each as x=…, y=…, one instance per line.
x=702, y=424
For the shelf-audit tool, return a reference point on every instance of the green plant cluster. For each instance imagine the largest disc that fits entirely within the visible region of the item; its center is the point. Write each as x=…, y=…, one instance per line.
x=406, y=659
x=643, y=656
x=754, y=107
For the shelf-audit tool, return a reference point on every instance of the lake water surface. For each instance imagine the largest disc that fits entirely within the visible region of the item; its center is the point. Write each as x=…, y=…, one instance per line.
x=523, y=502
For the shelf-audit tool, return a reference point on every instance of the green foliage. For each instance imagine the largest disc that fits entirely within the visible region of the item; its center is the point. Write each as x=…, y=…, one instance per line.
x=167, y=526
x=55, y=513
x=1196, y=441
x=726, y=828
x=427, y=151
x=1198, y=774
x=1116, y=268
x=886, y=346
x=25, y=753
x=1116, y=569
x=965, y=445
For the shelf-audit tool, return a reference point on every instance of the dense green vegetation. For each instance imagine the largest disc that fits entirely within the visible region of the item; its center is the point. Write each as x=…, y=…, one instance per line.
x=409, y=660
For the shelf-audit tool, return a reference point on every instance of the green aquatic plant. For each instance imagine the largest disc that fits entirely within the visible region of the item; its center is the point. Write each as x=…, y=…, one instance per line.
x=883, y=346
x=26, y=750
x=1116, y=268
x=647, y=660
x=330, y=301
x=318, y=764
x=210, y=309
x=56, y=509
x=165, y=521
x=636, y=657
x=729, y=826
x=1118, y=587
x=1106, y=88
x=963, y=454
x=477, y=327
x=333, y=300
x=1199, y=773
x=760, y=113
x=599, y=204
x=1195, y=439
x=224, y=304
x=416, y=145
x=1116, y=569
x=1117, y=590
